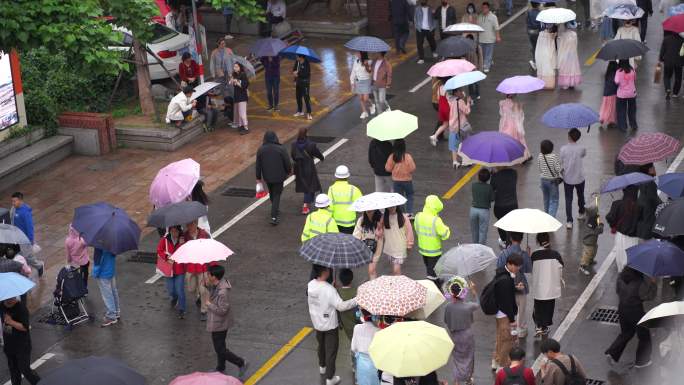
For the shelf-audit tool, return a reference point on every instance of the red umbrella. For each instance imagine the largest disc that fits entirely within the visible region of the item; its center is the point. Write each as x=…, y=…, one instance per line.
x=648, y=148
x=674, y=23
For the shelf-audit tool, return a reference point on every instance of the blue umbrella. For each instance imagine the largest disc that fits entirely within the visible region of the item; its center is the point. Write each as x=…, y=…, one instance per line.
x=367, y=44
x=267, y=47
x=620, y=182
x=656, y=258
x=464, y=79
x=293, y=51
x=13, y=285
x=672, y=184
x=570, y=115
x=106, y=227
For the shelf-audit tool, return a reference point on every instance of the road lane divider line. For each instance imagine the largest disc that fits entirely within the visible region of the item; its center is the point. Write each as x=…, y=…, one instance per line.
x=590, y=61
x=37, y=363
x=461, y=182
x=256, y=204
x=278, y=356
x=420, y=85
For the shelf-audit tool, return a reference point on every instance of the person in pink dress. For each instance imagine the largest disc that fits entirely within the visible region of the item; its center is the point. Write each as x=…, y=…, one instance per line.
x=569, y=71
x=512, y=119
x=607, y=113
x=459, y=127
x=442, y=112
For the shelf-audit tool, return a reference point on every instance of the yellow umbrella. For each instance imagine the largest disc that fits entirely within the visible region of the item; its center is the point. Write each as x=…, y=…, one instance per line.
x=391, y=125
x=433, y=300
x=410, y=349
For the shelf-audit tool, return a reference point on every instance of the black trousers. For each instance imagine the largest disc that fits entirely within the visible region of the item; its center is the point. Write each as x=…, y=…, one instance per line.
x=671, y=71
x=499, y=212
x=533, y=36
x=568, y=189
x=626, y=109
x=543, y=312
x=222, y=352
x=346, y=230
x=401, y=34
x=328, y=342
x=84, y=273
x=302, y=95
x=275, y=190
x=430, y=263
x=629, y=317
x=421, y=35
x=18, y=364
x=229, y=21
x=643, y=26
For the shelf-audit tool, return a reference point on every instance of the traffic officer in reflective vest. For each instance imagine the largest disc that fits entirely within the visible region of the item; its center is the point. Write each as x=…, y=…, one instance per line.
x=431, y=231
x=342, y=194
x=320, y=221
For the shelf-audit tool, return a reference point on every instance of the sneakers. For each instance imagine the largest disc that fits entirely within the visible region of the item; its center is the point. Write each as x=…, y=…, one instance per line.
x=486, y=70
x=581, y=216
x=455, y=165
x=309, y=117
x=675, y=96
x=538, y=332
x=433, y=140
x=296, y=114
x=203, y=317
x=229, y=37
x=434, y=54
x=584, y=269
x=533, y=65
x=108, y=322
x=242, y=371
x=372, y=109
x=275, y=221
x=644, y=365
x=243, y=130
x=333, y=381
x=502, y=244
x=420, y=61
x=494, y=365
x=611, y=360
x=568, y=225
x=364, y=115
x=270, y=108
x=305, y=209
x=321, y=369
x=181, y=314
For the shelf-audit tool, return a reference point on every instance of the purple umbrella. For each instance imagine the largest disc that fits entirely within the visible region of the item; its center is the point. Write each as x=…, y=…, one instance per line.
x=492, y=149
x=267, y=47
x=570, y=115
x=619, y=182
x=520, y=85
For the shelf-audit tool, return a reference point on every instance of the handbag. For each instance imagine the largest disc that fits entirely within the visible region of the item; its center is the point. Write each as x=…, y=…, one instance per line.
x=556, y=179
x=372, y=244
x=658, y=75
x=164, y=266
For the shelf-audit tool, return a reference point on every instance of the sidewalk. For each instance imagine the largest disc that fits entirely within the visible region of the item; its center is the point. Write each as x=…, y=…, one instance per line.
x=122, y=178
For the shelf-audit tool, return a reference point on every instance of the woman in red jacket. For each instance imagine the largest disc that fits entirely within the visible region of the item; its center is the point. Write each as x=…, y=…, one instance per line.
x=175, y=284
x=197, y=271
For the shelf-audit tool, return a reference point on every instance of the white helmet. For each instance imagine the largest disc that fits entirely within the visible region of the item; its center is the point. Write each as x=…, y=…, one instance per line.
x=342, y=172
x=322, y=200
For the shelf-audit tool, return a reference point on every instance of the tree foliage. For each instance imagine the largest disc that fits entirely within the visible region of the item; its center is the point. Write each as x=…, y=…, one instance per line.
x=248, y=9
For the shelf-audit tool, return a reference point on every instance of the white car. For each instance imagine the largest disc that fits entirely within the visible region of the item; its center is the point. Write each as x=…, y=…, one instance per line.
x=166, y=43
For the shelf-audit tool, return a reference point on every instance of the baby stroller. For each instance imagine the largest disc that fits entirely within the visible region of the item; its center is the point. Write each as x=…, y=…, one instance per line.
x=69, y=293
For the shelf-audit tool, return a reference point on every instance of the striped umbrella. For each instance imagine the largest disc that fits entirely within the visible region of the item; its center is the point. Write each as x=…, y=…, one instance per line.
x=336, y=250
x=648, y=148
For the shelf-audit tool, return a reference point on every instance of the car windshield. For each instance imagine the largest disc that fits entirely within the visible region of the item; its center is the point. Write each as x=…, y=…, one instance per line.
x=161, y=33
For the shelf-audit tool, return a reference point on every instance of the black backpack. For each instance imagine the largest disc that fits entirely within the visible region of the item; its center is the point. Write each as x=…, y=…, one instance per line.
x=516, y=378
x=572, y=377
x=488, y=298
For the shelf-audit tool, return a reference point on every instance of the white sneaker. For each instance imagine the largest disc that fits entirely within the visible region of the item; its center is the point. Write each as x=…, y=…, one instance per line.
x=434, y=54
x=364, y=115
x=501, y=243
x=372, y=109
x=568, y=225
x=494, y=365
x=321, y=369
x=433, y=140
x=298, y=114
x=486, y=70
x=533, y=65
x=456, y=165
x=580, y=217
x=228, y=37
x=421, y=61
x=333, y=381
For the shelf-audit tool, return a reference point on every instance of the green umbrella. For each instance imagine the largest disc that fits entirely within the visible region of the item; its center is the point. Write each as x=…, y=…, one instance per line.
x=391, y=125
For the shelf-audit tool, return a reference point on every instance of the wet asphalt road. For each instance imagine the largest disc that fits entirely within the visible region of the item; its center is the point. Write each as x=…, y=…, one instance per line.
x=269, y=277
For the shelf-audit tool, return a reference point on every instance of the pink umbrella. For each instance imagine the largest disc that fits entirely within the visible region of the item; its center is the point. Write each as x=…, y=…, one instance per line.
x=199, y=378
x=174, y=182
x=648, y=148
x=201, y=251
x=451, y=67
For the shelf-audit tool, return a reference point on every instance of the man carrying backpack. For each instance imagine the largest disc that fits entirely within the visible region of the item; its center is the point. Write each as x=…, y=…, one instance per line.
x=559, y=369
x=498, y=299
x=516, y=373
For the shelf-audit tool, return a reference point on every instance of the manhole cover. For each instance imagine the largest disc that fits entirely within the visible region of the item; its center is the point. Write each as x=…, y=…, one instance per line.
x=103, y=165
x=591, y=381
x=607, y=315
x=242, y=192
x=321, y=139
x=143, y=257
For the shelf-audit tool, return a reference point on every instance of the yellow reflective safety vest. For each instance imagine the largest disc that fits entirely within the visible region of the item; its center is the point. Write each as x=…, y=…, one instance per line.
x=342, y=195
x=317, y=223
x=430, y=228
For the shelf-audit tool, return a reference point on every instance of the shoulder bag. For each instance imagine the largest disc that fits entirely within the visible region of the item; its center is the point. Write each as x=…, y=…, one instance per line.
x=556, y=179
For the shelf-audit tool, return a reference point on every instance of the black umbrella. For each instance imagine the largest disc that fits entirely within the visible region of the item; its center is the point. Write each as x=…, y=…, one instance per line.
x=93, y=370
x=622, y=49
x=669, y=221
x=176, y=214
x=455, y=46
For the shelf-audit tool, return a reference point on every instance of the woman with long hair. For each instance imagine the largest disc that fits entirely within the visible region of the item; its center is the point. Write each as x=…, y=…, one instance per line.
x=546, y=57
x=397, y=236
x=198, y=195
x=303, y=152
x=512, y=120
x=443, y=110
x=625, y=78
x=623, y=219
x=360, y=80
x=240, y=97
x=569, y=71
x=607, y=113
x=175, y=284
x=369, y=230
x=402, y=166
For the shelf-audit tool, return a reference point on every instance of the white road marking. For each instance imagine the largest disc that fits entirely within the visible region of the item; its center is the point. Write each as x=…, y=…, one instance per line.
x=256, y=204
x=501, y=26
x=37, y=363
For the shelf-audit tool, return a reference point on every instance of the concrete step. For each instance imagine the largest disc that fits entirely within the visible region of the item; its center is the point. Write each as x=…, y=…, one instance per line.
x=328, y=28
x=32, y=159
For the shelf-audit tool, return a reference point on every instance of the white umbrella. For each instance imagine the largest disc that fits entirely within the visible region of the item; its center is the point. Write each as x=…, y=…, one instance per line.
x=464, y=79
x=624, y=12
x=556, y=16
x=433, y=301
x=605, y=4
x=203, y=89
x=464, y=260
x=529, y=221
x=656, y=316
x=463, y=27
x=377, y=201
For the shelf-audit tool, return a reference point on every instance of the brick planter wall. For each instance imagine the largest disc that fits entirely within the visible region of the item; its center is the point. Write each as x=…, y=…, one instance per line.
x=103, y=123
x=378, y=18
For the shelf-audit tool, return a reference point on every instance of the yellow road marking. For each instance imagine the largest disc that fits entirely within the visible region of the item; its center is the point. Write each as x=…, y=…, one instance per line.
x=280, y=354
x=461, y=182
x=592, y=58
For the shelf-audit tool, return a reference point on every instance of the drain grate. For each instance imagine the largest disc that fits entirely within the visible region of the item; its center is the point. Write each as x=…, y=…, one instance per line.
x=607, y=315
x=321, y=139
x=143, y=257
x=242, y=192
x=591, y=381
